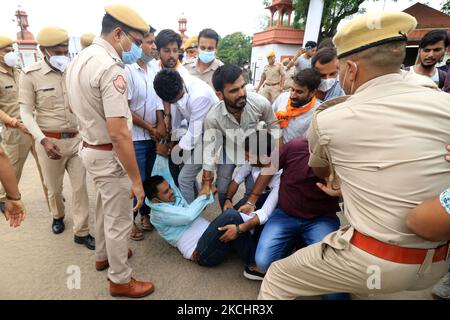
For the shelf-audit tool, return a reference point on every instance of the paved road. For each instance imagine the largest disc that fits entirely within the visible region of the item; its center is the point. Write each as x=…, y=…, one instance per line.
x=34, y=262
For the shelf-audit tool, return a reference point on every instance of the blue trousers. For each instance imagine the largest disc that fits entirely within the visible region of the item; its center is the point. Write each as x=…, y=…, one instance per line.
x=145, y=156
x=282, y=232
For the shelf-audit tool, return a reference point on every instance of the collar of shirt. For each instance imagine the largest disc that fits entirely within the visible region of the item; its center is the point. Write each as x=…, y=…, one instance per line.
x=109, y=48
x=380, y=80
x=212, y=67
x=45, y=67
x=3, y=70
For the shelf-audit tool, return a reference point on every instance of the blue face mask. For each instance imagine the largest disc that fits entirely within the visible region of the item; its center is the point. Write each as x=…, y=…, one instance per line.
x=206, y=56
x=132, y=56
x=145, y=58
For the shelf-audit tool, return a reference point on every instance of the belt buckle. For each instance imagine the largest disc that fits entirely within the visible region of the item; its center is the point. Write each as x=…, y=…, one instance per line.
x=66, y=135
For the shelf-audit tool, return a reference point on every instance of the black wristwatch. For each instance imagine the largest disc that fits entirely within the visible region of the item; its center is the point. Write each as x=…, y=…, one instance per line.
x=238, y=229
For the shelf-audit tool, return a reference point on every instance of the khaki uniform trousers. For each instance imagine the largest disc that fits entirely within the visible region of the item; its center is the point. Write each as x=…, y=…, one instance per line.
x=113, y=211
x=17, y=145
x=335, y=265
x=271, y=92
x=53, y=171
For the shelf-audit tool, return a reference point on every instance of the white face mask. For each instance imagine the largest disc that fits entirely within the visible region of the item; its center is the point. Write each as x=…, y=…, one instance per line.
x=59, y=62
x=11, y=59
x=327, y=84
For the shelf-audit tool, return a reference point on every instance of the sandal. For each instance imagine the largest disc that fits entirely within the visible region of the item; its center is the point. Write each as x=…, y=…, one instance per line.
x=146, y=225
x=136, y=234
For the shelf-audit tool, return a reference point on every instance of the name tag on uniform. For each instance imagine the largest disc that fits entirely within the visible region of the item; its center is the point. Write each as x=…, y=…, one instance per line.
x=9, y=87
x=49, y=89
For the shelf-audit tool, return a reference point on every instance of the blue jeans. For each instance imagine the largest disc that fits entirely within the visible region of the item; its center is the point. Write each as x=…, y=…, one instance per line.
x=145, y=156
x=282, y=232
x=211, y=251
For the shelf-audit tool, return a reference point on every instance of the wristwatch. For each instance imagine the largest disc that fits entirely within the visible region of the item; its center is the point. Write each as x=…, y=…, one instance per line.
x=238, y=229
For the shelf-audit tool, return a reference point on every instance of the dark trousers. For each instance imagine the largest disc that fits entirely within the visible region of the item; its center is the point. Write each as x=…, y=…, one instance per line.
x=145, y=156
x=211, y=251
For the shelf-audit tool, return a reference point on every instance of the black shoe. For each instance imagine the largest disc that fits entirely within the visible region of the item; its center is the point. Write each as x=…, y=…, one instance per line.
x=58, y=226
x=88, y=241
x=252, y=273
x=2, y=207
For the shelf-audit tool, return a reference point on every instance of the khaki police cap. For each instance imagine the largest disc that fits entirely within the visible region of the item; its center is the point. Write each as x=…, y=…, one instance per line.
x=52, y=36
x=86, y=39
x=192, y=42
x=128, y=16
x=371, y=30
x=271, y=53
x=5, y=42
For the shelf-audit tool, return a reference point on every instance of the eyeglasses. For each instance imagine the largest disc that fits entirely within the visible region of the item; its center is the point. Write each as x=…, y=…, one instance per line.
x=135, y=41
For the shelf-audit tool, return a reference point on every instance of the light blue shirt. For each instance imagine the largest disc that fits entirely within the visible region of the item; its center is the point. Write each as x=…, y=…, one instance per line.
x=171, y=220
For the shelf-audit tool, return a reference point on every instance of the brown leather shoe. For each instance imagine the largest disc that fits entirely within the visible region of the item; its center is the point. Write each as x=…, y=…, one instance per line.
x=103, y=265
x=132, y=289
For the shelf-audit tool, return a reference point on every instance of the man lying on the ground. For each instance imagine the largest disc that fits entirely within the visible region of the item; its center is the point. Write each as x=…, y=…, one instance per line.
x=182, y=225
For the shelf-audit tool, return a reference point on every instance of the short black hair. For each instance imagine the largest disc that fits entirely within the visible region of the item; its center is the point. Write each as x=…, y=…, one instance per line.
x=324, y=55
x=210, y=34
x=260, y=143
x=434, y=36
x=310, y=45
x=151, y=186
x=228, y=73
x=167, y=36
x=326, y=43
x=168, y=84
x=109, y=23
x=308, y=77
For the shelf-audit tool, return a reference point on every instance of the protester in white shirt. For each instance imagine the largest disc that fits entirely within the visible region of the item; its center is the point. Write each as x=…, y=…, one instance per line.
x=190, y=99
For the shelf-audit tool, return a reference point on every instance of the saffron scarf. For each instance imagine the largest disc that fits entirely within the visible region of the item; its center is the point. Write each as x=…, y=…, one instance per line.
x=292, y=112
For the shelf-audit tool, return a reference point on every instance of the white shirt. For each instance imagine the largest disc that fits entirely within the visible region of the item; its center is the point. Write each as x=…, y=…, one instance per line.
x=272, y=200
x=193, y=108
x=189, y=239
x=142, y=97
x=434, y=77
x=298, y=126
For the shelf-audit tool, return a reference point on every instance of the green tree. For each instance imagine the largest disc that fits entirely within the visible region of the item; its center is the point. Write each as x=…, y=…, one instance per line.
x=235, y=48
x=446, y=7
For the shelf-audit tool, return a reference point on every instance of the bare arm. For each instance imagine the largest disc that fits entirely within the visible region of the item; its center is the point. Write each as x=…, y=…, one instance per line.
x=430, y=221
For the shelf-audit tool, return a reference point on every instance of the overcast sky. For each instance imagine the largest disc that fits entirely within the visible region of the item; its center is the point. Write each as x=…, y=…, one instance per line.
x=225, y=16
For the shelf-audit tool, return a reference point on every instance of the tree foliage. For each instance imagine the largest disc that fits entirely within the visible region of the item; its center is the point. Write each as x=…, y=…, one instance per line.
x=446, y=7
x=235, y=48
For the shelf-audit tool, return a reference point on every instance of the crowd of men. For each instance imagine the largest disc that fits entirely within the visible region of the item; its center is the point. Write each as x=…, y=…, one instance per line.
x=338, y=127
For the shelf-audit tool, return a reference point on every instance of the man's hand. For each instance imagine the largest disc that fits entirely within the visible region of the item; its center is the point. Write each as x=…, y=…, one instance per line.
x=137, y=190
x=154, y=133
x=247, y=208
x=163, y=149
x=205, y=190
x=332, y=188
x=22, y=128
x=230, y=233
x=227, y=205
x=52, y=150
x=14, y=212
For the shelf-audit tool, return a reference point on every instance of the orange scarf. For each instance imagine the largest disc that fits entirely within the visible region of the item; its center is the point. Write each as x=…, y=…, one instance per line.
x=292, y=112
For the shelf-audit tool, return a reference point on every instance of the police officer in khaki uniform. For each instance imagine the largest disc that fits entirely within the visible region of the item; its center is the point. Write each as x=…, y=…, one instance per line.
x=86, y=40
x=54, y=127
x=272, y=78
x=97, y=91
x=386, y=142
x=16, y=141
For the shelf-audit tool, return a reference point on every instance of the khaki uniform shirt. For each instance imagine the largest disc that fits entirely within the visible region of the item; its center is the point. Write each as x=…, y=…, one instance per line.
x=97, y=90
x=207, y=74
x=220, y=124
x=9, y=90
x=41, y=87
x=274, y=73
x=387, y=145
